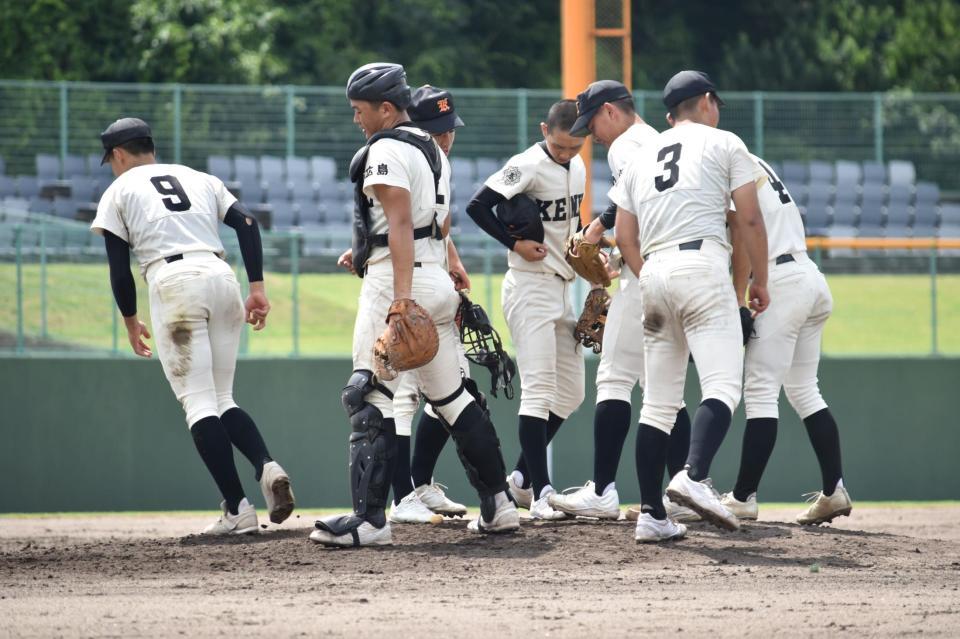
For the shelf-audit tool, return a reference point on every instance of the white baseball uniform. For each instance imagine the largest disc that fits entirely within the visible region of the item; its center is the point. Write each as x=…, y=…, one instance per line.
x=536, y=295
x=395, y=163
x=679, y=188
x=167, y=210
x=621, y=360
x=785, y=348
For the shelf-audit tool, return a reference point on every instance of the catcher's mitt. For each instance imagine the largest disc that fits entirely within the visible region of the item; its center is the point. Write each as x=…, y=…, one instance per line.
x=409, y=342
x=593, y=319
x=588, y=260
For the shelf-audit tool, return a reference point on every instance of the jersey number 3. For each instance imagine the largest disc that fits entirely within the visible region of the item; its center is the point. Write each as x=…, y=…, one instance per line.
x=169, y=185
x=663, y=183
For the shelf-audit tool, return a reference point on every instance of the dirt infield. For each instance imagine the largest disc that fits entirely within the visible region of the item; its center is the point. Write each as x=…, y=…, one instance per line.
x=884, y=571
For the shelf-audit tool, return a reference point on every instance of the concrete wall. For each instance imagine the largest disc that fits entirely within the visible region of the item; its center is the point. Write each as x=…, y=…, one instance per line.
x=108, y=434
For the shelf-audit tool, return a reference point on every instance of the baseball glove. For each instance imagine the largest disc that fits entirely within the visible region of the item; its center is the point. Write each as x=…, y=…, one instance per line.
x=593, y=319
x=746, y=323
x=409, y=342
x=588, y=260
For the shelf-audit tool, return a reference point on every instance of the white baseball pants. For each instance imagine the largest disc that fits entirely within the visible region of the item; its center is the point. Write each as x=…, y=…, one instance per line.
x=621, y=360
x=197, y=316
x=786, y=349
x=549, y=360
x=689, y=307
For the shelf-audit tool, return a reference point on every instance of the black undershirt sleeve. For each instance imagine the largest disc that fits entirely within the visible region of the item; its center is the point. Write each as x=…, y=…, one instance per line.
x=609, y=217
x=480, y=209
x=121, y=277
x=248, y=236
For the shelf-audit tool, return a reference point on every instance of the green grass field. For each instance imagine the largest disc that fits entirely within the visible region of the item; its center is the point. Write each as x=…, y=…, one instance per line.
x=873, y=314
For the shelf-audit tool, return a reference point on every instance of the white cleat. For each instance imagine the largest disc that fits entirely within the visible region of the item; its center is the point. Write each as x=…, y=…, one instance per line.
x=523, y=496
x=541, y=509
x=275, y=485
x=824, y=509
x=679, y=513
x=701, y=497
x=243, y=523
x=506, y=519
x=650, y=530
x=366, y=534
x=742, y=509
x=411, y=510
x=435, y=499
x=584, y=502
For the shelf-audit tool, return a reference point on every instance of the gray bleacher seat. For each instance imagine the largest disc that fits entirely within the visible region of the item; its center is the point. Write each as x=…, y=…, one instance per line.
x=821, y=171
x=874, y=173
x=251, y=190
x=462, y=188
x=48, y=166
x=601, y=170
x=41, y=205
x=463, y=169
x=272, y=169
x=871, y=205
x=815, y=220
x=64, y=207
x=94, y=168
x=844, y=214
x=28, y=186
x=308, y=212
x=11, y=204
x=8, y=186
x=925, y=209
x=949, y=230
x=950, y=214
x=297, y=169
x=599, y=190
x=901, y=172
x=847, y=174
x=898, y=204
x=74, y=165
x=220, y=166
x=323, y=169
x=340, y=213
x=275, y=190
x=845, y=194
x=82, y=188
x=301, y=188
x=487, y=167
x=819, y=194
x=283, y=214
x=794, y=173
x=244, y=165
x=897, y=230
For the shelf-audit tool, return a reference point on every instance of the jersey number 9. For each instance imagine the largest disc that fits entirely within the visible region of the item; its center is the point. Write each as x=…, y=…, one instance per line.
x=169, y=185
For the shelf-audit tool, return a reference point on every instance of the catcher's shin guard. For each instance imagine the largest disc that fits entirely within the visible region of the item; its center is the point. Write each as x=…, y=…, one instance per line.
x=372, y=450
x=479, y=450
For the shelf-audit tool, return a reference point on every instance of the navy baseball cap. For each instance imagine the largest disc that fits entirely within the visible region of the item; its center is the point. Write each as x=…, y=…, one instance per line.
x=121, y=132
x=432, y=110
x=590, y=101
x=688, y=84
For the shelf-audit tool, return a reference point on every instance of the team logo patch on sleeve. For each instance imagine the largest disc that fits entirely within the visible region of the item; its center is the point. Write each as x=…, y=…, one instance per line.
x=381, y=169
x=511, y=175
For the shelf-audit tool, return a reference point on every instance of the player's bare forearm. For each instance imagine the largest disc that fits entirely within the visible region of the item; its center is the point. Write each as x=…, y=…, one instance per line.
x=396, y=208
x=455, y=266
x=740, y=261
x=627, y=232
x=748, y=223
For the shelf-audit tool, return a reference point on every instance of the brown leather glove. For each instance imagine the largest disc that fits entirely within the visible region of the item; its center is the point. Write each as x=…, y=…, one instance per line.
x=588, y=260
x=593, y=320
x=409, y=341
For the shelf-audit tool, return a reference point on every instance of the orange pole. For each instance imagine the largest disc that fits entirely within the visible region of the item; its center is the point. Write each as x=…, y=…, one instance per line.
x=627, y=54
x=579, y=63
x=881, y=243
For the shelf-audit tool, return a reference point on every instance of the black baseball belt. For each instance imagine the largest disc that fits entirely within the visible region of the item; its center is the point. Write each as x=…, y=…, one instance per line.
x=783, y=259
x=692, y=245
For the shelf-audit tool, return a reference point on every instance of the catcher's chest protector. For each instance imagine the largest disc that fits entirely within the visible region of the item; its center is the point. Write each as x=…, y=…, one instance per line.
x=363, y=239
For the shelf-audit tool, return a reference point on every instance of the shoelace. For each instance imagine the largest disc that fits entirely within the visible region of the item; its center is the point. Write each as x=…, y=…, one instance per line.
x=809, y=497
x=709, y=483
x=574, y=489
x=440, y=488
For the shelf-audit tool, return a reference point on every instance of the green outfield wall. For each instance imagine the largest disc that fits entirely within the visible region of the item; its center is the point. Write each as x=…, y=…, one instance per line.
x=108, y=434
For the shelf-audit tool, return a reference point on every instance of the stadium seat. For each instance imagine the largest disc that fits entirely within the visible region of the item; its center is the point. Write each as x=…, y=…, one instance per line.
x=844, y=214
x=48, y=166
x=871, y=206
x=244, y=165
x=601, y=171
x=487, y=167
x=950, y=214
x=898, y=204
x=11, y=204
x=874, y=173
x=901, y=173
x=301, y=188
x=283, y=214
x=818, y=194
x=816, y=220
x=74, y=165
x=8, y=186
x=297, y=170
x=599, y=190
x=251, y=191
x=794, y=172
x=897, y=230
x=463, y=170
x=308, y=212
x=94, y=168
x=276, y=190
x=821, y=171
x=220, y=166
x=28, y=186
x=951, y=231
x=82, y=188
x=323, y=169
x=272, y=169
x=64, y=207
x=41, y=205
x=847, y=174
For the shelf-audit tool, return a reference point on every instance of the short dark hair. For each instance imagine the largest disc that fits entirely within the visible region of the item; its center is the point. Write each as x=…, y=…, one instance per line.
x=626, y=105
x=562, y=115
x=687, y=106
x=138, y=146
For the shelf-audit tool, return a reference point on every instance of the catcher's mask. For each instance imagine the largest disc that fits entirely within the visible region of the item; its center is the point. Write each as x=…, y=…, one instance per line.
x=482, y=346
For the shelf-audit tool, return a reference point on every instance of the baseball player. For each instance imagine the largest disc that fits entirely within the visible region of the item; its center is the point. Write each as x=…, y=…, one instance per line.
x=672, y=201
x=784, y=351
x=167, y=214
x=403, y=187
x=607, y=112
x=536, y=294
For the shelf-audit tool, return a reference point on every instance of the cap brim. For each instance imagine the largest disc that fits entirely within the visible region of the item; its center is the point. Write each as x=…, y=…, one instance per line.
x=719, y=99
x=106, y=157
x=444, y=123
x=581, y=128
